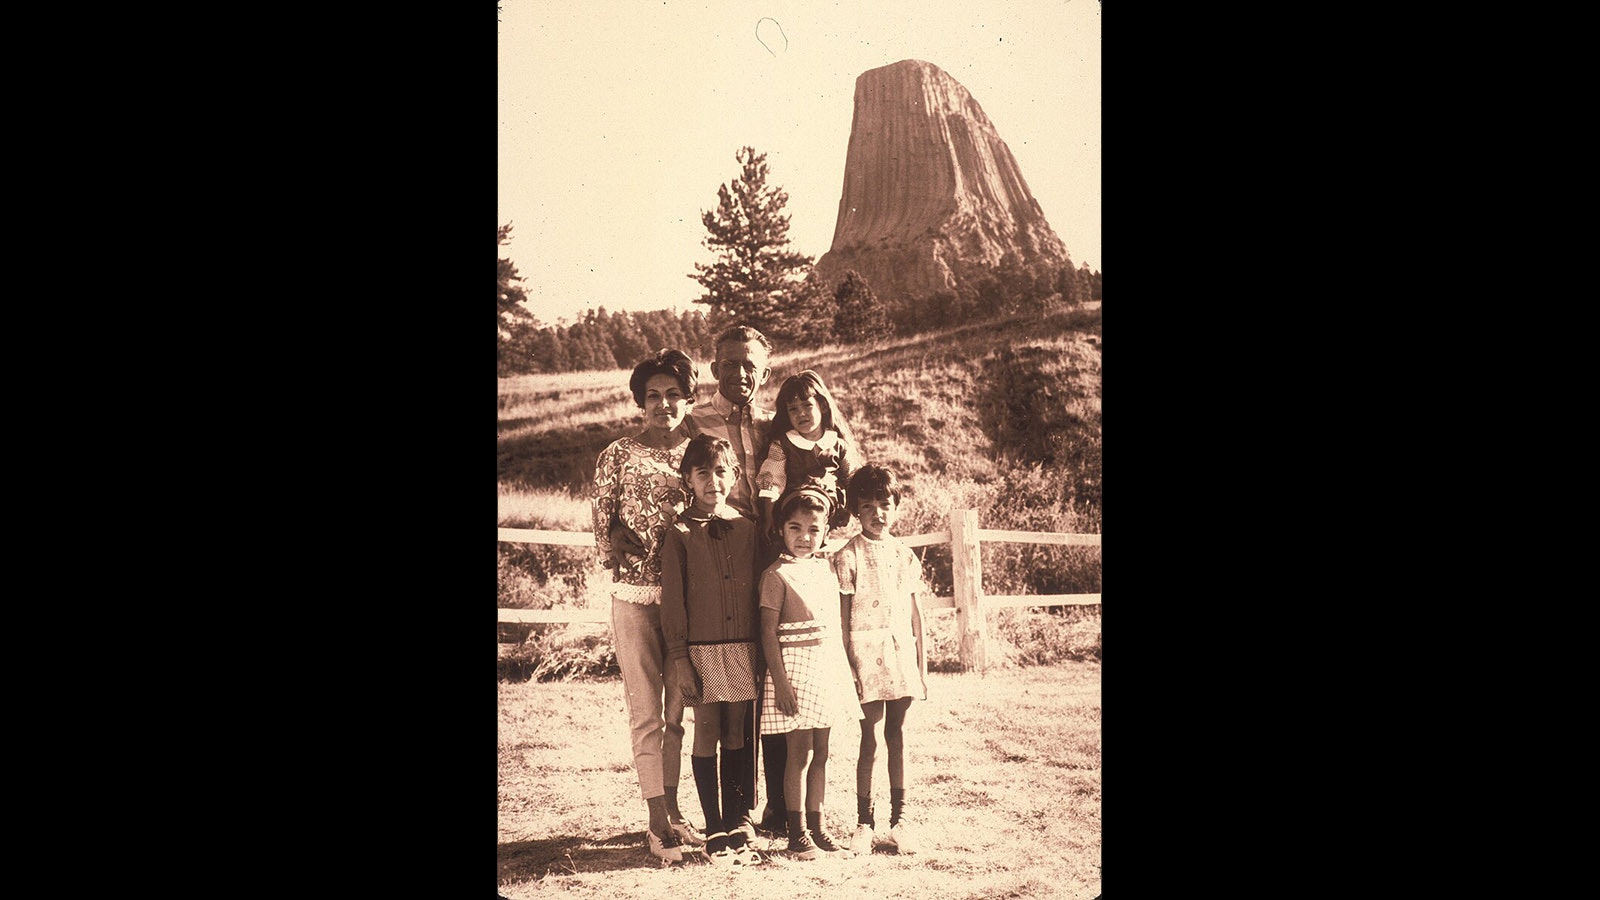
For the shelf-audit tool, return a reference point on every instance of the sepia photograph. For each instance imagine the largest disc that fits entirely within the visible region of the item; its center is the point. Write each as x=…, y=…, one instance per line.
x=799, y=449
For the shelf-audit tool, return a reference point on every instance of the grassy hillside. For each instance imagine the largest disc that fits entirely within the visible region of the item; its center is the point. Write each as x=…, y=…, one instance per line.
x=964, y=406
x=1002, y=417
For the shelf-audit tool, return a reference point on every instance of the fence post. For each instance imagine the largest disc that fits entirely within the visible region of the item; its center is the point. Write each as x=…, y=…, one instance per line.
x=967, y=570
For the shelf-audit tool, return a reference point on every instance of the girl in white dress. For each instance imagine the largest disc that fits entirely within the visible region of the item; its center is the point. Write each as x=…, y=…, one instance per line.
x=879, y=580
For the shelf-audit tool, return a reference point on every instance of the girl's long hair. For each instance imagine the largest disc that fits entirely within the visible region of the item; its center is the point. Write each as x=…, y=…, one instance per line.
x=803, y=384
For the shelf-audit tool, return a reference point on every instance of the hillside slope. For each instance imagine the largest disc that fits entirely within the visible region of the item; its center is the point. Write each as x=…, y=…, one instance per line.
x=1000, y=417
x=957, y=413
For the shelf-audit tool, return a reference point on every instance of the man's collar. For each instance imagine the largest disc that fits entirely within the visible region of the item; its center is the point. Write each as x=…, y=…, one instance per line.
x=725, y=407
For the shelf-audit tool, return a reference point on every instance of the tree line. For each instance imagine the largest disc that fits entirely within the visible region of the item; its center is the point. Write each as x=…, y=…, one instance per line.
x=601, y=340
x=756, y=279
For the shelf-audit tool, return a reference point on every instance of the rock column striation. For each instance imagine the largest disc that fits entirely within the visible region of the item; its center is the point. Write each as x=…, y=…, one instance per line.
x=928, y=185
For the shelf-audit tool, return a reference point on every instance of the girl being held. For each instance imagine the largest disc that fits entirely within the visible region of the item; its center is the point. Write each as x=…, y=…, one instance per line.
x=708, y=617
x=808, y=687
x=809, y=441
x=879, y=580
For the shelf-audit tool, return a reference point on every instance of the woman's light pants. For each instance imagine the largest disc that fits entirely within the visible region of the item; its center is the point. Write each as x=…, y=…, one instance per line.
x=655, y=708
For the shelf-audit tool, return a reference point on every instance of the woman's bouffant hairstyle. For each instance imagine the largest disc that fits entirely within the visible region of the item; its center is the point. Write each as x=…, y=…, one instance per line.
x=872, y=482
x=665, y=362
x=806, y=384
x=703, y=450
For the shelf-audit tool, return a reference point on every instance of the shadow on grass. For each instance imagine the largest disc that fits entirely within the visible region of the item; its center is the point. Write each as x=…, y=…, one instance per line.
x=586, y=409
x=522, y=860
x=559, y=458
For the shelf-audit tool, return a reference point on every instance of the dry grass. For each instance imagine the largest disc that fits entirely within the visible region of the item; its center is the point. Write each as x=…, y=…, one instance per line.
x=922, y=405
x=552, y=509
x=1004, y=784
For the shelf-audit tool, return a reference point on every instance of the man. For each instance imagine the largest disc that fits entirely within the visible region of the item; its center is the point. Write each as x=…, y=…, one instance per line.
x=740, y=368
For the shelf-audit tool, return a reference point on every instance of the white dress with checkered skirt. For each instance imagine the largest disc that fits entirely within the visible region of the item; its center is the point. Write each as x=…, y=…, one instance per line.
x=807, y=591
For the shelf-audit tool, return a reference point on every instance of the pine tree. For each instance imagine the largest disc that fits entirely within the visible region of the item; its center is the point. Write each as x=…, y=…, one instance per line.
x=628, y=345
x=696, y=331
x=1085, y=286
x=517, y=325
x=812, y=313
x=861, y=318
x=756, y=278
x=549, y=352
x=511, y=295
x=1067, y=283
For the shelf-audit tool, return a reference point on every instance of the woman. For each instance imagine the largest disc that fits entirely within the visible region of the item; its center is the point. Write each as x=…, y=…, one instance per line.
x=637, y=495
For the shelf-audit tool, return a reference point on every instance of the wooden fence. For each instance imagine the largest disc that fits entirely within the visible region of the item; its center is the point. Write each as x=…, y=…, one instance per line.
x=969, y=601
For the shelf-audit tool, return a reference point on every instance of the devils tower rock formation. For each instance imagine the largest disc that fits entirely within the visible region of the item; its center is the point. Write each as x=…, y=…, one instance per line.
x=928, y=185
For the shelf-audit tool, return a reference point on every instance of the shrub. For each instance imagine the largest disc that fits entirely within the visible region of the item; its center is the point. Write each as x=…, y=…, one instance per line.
x=1044, y=636
x=537, y=576
x=940, y=643
x=1039, y=636
x=561, y=653
x=1038, y=498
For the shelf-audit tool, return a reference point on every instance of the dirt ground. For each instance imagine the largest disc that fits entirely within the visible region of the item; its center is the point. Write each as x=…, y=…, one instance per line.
x=1003, y=774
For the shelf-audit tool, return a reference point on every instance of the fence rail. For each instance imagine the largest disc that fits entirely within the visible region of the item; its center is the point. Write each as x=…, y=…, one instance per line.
x=969, y=602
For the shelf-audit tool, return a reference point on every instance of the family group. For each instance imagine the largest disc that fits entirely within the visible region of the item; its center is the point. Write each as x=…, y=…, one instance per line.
x=738, y=591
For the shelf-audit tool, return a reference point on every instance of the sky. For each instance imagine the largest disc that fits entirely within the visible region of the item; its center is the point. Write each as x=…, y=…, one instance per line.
x=619, y=119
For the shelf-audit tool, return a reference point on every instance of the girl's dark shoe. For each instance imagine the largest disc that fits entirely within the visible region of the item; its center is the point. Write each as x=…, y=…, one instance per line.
x=823, y=840
x=803, y=847
x=826, y=844
x=800, y=844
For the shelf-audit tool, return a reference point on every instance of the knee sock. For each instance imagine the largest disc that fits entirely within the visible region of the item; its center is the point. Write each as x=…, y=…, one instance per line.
x=775, y=753
x=864, y=811
x=733, y=805
x=797, y=827
x=705, y=782
x=747, y=774
x=747, y=783
x=897, y=805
